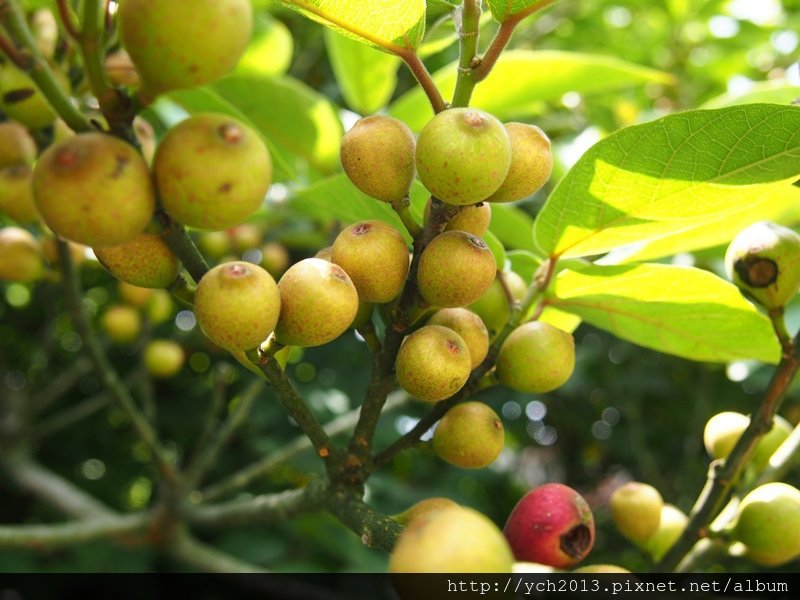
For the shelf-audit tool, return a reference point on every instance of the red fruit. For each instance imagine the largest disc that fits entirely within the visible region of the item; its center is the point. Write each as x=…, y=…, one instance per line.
x=552, y=525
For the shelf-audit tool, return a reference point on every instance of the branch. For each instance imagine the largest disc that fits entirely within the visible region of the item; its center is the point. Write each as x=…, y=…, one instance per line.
x=424, y=79
x=182, y=246
x=60, y=384
x=190, y=551
x=41, y=537
x=375, y=529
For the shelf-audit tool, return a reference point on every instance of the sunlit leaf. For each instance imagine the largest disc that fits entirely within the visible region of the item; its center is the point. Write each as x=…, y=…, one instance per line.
x=512, y=226
x=774, y=92
x=502, y=10
x=270, y=51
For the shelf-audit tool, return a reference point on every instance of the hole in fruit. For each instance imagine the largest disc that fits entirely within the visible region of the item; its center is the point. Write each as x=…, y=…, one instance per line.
x=478, y=242
x=225, y=187
x=18, y=95
x=453, y=347
x=361, y=228
x=66, y=157
x=338, y=273
x=237, y=270
x=120, y=167
x=231, y=133
x=497, y=424
x=473, y=119
x=576, y=542
x=756, y=271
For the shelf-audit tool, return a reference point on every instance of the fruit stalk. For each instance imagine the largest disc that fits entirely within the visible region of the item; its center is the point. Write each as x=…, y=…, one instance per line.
x=468, y=33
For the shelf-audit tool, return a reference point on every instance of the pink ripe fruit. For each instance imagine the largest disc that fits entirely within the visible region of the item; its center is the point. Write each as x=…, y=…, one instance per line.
x=551, y=525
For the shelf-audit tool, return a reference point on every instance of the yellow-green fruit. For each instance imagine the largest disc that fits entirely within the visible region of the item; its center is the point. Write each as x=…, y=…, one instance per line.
x=531, y=163
x=16, y=194
x=237, y=305
x=275, y=258
x=469, y=326
x=159, y=307
x=179, y=44
x=145, y=261
x=764, y=262
x=470, y=436
x=377, y=154
x=324, y=253
x=493, y=307
x=120, y=69
x=22, y=101
x=122, y=323
x=536, y=358
x=724, y=429
x=423, y=508
x=768, y=524
x=375, y=257
x=636, y=510
x=246, y=237
x=16, y=145
x=363, y=314
x=133, y=294
x=671, y=525
x=451, y=540
x=433, y=363
x=45, y=32
x=212, y=172
x=21, y=256
x=163, y=358
x=463, y=155
x=455, y=269
x=472, y=219
x=318, y=303
x=215, y=244
x=94, y=189
x=146, y=137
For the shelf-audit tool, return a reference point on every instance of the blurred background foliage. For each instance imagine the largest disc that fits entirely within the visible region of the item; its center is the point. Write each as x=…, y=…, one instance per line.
x=626, y=413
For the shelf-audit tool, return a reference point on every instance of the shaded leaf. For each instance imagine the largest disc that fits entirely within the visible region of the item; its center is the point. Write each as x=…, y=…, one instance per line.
x=512, y=226
x=504, y=9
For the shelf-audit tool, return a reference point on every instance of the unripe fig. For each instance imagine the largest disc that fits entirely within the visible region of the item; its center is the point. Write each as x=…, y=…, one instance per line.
x=422, y=509
x=763, y=261
x=531, y=163
x=724, y=429
x=237, y=305
x=163, y=358
x=16, y=194
x=469, y=326
x=552, y=525
x=470, y=436
x=673, y=522
x=493, y=307
x=377, y=154
x=212, y=172
x=363, y=314
x=133, y=294
x=318, y=303
x=21, y=257
x=375, y=256
x=120, y=69
x=123, y=324
x=636, y=510
x=768, y=524
x=536, y=358
x=16, y=145
x=463, y=155
x=216, y=244
x=324, y=253
x=22, y=101
x=455, y=269
x=184, y=43
x=45, y=31
x=433, y=363
x=246, y=237
x=146, y=137
x=275, y=258
x=451, y=540
x=159, y=308
x=145, y=261
x=472, y=219
x=94, y=189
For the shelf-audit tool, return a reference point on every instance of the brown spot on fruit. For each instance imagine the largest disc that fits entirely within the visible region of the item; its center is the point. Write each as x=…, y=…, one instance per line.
x=231, y=133
x=361, y=228
x=225, y=187
x=757, y=271
x=577, y=542
x=119, y=166
x=19, y=95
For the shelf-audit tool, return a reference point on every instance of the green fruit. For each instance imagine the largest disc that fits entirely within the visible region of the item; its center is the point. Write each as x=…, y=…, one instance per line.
x=377, y=154
x=179, y=44
x=493, y=307
x=16, y=194
x=145, y=261
x=159, y=308
x=212, y=172
x=472, y=219
x=375, y=257
x=671, y=525
x=422, y=509
x=16, y=145
x=451, y=540
x=237, y=305
x=275, y=258
x=469, y=326
x=463, y=155
x=134, y=294
x=21, y=100
x=163, y=358
x=455, y=269
x=433, y=363
x=21, y=257
x=724, y=429
x=768, y=524
x=764, y=263
x=536, y=358
x=636, y=510
x=123, y=324
x=318, y=303
x=531, y=163
x=94, y=189
x=469, y=436
x=215, y=244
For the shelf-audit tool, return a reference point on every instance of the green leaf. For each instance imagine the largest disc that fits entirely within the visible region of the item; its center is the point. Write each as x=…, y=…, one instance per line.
x=774, y=92
x=497, y=249
x=512, y=227
x=524, y=263
x=367, y=77
x=392, y=26
x=522, y=79
x=677, y=310
x=270, y=50
x=670, y=176
x=502, y=10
